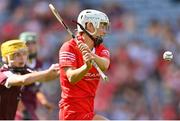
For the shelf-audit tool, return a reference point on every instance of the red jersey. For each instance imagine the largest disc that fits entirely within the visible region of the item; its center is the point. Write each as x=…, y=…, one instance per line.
x=71, y=56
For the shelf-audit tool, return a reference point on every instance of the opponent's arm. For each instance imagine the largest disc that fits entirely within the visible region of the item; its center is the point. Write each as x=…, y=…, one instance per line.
x=41, y=76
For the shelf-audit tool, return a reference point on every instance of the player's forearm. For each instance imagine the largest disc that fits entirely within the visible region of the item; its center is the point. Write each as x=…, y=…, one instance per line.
x=76, y=74
x=41, y=98
x=18, y=80
x=103, y=63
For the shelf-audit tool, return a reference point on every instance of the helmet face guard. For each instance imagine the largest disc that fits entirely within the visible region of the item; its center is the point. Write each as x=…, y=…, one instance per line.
x=97, y=41
x=104, y=26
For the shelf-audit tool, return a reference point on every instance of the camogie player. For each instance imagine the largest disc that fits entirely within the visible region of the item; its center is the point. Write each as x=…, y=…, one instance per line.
x=79, y=79
x=14, y=74
x=31, y=93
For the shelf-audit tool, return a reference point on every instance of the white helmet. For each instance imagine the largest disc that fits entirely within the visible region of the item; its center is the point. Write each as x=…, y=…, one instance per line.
x=93, y=16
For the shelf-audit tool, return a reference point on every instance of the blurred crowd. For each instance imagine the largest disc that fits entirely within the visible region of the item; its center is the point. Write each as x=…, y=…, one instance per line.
x=141, y=84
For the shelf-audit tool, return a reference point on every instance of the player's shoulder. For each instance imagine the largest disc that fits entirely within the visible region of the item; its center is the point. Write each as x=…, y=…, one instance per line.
x=68, y=45
x=4, y=68
x=101, y=47
x=4, y=74
x=71, y=42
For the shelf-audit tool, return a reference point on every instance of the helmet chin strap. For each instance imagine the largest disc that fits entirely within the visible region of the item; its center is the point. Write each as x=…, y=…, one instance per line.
x=91, y=32
x=97, y=41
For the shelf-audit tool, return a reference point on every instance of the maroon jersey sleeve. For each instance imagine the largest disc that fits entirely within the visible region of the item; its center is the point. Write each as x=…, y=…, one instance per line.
x=67, y=56
x=3, y=78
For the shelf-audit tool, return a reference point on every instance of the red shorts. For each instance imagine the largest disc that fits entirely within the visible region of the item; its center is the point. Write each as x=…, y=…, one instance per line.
x=76, y=109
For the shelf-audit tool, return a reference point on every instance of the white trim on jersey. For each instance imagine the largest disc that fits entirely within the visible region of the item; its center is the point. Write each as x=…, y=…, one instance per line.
x=67, y=55
x=8, y=74
x=62, y=58
x=106, y=52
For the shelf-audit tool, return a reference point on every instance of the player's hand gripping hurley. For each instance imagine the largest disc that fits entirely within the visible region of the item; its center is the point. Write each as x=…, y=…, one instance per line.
x=55, y=12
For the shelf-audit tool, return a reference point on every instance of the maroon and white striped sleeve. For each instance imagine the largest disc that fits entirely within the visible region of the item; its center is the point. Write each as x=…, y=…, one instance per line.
x=4, y=78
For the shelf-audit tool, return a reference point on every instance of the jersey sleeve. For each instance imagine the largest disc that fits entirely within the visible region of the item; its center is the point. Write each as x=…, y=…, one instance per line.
x=67, y=56
x=4, y=78
x=104, y=52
